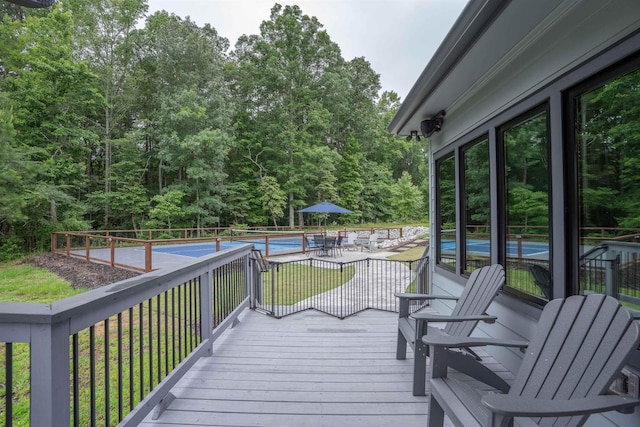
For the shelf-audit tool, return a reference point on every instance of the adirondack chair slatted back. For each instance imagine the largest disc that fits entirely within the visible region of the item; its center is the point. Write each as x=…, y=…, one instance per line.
x=481, y=288
x=577, y=351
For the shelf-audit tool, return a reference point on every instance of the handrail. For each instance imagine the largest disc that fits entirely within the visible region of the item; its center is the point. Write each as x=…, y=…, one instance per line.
x=172, y=313
x=591, y=253
x=132, y=327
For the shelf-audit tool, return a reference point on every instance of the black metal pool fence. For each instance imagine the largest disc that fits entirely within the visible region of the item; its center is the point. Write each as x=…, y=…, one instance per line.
x=340, y=289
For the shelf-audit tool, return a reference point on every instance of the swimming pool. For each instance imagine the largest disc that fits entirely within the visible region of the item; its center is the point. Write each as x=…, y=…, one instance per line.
x=196, y=250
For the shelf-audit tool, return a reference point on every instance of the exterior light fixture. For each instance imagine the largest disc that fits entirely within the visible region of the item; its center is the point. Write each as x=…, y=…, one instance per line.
x=412, y=134
x=433, y=124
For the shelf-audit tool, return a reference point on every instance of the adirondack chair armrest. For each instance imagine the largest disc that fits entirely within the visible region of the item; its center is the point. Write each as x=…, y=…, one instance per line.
x=462, y=342
x=516, y=406
x=406, y=298
x=430, y=317
x=423, y=297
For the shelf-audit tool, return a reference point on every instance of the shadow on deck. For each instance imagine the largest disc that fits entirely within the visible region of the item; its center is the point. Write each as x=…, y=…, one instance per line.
x=307, y=369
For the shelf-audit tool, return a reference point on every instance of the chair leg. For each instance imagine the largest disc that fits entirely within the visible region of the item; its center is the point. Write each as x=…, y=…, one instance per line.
x=438, y=370
x=401, y=346
x=419, y=368
x=436, y=413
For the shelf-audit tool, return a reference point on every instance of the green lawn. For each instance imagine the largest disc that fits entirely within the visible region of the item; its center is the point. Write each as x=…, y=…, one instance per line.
x=291, y=288
x=24, y=283
x=412, y=254
x=409, y=255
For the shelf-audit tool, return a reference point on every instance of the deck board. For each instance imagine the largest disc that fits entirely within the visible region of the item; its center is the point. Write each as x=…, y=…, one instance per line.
x=307, y=369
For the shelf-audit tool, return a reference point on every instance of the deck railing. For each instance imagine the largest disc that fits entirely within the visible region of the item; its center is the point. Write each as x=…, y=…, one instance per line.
x=104, y=246
x=340, y=289
x=612, y=268
x=111, y=355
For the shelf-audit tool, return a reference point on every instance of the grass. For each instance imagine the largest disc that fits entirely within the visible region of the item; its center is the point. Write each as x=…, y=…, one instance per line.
x=296, y=282
x=24, y=283
x=409, y=255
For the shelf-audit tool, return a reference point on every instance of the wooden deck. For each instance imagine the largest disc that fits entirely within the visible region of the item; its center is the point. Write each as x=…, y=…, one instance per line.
x=307, y=369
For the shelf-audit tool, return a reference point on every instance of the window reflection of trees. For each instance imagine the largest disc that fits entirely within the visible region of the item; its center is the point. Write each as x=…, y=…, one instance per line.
x=527, y=204
x=477, y=206
x=447, y=213
x=608, y=132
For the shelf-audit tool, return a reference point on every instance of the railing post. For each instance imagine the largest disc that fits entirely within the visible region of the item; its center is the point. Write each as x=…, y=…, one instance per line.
x=147, y=257
x=273, y=290
x=87, y=247
x=206, y=306
x=612, y=274
x=50, y=390
x=249, y=274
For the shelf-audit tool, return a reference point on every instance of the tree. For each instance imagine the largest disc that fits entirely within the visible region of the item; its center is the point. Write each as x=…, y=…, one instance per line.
x=187, y=112
x=377, y=182
x=280, y=76
x=13, y=173
x=53, y=99
x=406, y=199
x=167, y=209
x=274, y=200
x=105, y=37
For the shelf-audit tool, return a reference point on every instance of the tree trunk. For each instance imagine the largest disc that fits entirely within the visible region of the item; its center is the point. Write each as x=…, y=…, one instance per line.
x=107, y=159
x=292, y=218
x=53, y=211
x=160, y=178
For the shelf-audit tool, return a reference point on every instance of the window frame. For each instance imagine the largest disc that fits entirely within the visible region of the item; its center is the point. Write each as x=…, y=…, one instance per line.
x=572, y=139
x=543, y=108
x=438, y=189
x=563, y=206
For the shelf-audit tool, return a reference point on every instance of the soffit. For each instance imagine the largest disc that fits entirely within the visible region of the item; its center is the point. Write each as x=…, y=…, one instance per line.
x=488, y=37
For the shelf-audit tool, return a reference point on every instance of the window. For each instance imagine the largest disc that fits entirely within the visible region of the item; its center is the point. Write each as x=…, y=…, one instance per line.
x=526, y=203
x=477, y=206
x=607, y=120
x=446, y=213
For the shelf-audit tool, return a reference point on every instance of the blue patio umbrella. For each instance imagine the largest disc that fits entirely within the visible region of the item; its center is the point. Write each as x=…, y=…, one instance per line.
x=325, y=207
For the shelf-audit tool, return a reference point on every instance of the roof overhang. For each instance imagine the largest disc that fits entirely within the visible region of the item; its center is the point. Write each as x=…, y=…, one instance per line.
x=32, y=3
x=493, y=43
x=470, y=25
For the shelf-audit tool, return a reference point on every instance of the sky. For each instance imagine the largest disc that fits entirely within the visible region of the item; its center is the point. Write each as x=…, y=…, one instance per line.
x=397, y=37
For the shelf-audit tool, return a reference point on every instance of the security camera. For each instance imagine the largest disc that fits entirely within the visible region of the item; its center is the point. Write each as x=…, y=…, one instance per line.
x=433, y=124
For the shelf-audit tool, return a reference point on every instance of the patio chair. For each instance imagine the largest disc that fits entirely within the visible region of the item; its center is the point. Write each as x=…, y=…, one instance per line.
x=542, y=277
x=579, y=347
x=479, y=291
x=329, y=246
x=372, y=243
x=338, y=249
x=351, y=241
x=318, y=243
x=310, y=245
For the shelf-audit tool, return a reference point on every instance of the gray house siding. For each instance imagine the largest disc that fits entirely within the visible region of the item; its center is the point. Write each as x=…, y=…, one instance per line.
x=524, y=55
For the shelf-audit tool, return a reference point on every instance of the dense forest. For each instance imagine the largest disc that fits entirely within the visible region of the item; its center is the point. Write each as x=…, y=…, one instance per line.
x=112, y=118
